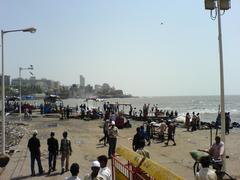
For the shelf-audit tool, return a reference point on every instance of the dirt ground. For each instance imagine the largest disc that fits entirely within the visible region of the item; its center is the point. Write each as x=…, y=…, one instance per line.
x=85, y=135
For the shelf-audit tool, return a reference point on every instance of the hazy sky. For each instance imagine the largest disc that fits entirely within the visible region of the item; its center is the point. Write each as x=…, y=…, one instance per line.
x=124, y=43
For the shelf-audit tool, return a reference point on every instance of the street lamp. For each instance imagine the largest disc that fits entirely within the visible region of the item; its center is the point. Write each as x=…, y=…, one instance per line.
x=218, y=5
x=31, y=30
x=20, y=88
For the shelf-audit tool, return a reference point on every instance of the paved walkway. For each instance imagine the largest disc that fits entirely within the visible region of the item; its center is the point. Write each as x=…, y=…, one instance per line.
x=85, y=135
x=19, y=165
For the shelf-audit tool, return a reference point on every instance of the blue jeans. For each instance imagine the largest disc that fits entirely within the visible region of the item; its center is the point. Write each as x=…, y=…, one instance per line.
x=38, y=159
x=52, y=160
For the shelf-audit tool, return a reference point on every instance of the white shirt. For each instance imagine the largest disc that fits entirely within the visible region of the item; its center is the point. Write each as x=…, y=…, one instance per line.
x=105, y=172
x=206, y=174
x=89, y=177
x=217, y=151
x=72, y=178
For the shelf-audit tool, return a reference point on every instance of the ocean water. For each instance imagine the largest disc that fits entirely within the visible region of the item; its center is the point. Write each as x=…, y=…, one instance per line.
x=207, y=106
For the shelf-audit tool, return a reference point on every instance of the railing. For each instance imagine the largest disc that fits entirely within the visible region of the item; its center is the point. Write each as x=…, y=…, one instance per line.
x=127, y=171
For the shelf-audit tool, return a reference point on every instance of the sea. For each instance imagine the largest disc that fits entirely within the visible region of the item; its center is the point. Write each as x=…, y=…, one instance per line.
x=207, y=106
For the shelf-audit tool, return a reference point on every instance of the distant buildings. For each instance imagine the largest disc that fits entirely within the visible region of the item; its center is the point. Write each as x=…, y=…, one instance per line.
x=102, y=91
x=44, y=84
x=6, y=80
x=74, y=91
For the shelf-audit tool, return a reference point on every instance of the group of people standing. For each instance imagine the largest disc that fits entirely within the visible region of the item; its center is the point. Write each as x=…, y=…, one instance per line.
x=152, y=111
x=53, y=150
x=99, y=169
x=227, y=122
x=143, y=135
x=193, y=122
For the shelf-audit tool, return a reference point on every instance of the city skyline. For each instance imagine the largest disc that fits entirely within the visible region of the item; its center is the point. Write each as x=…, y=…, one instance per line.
x=145, y=49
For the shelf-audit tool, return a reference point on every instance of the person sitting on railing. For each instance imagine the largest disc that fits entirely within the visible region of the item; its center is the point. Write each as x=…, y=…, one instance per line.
x=206, y=172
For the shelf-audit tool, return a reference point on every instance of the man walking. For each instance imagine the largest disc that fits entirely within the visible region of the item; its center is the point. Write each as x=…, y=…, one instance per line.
x=105, y=132
x=137, y=139
x=53, y=152
x=66, y=151
x=171, y=133
x=34, y=148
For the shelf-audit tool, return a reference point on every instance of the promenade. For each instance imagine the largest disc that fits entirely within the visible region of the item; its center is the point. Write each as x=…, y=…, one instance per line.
x=85, y=135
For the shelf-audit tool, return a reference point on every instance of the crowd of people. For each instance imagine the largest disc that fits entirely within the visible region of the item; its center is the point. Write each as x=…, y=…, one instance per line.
x=82, y=111
x=193, y=123
x=151, y=111
x=99, y=169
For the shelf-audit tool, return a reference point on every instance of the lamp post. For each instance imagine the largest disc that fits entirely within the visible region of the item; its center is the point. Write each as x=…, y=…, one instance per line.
x=31, y=30
x=218, y=5
x=20, y=89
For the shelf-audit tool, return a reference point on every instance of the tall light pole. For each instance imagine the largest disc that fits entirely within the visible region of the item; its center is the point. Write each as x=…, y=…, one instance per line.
x=218, y=5
x=20, y=89
x=31, y=30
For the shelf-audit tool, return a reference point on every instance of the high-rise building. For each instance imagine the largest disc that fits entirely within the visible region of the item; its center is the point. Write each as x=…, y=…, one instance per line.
x=82, y=81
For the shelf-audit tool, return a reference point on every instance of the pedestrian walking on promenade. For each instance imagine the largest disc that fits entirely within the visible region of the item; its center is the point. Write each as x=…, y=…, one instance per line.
x=52, y=152
x=171, y=133
x=137, y=139
x=105, y=132
x=66, y=151
x=113, y=133
x=34, y=148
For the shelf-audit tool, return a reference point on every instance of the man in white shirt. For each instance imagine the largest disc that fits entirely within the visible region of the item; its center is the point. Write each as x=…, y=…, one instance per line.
x=104, y=170
x=217, y=152
x=205, y=172
x=217, y=149
x=112, y=134
x=74, y=169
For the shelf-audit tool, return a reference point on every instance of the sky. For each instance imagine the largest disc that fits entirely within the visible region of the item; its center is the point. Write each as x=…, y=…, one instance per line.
x=145, y=48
